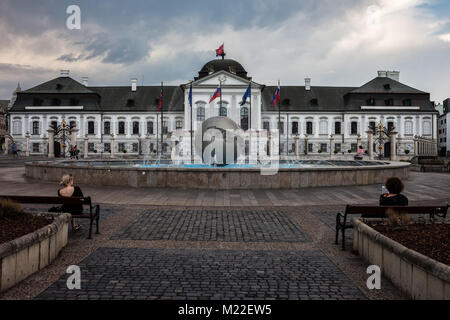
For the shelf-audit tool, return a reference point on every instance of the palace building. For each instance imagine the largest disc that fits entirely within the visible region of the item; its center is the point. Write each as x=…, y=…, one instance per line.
x=122, y=117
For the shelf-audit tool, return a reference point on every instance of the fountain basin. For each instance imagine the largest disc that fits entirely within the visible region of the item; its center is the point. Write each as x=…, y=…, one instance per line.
x=288, y=176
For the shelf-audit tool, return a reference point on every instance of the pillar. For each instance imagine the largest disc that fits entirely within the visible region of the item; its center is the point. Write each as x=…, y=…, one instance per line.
x=27, y=144
x=45, y=142
x=147, y=145
x=393, y=146
x=51, y=143
x=6, y=144
x=331, y=145
x=370, y=141
x=112, y=146
x=73, y=137
x=297, y=146
x=269, y=145
x=140, y=145
x=86, y=146
x=358, y=142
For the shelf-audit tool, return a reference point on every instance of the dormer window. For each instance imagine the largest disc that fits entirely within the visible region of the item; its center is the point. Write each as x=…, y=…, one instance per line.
x=407, y=102
x=387, y=86
x=371, y=102
x=59, y=86
x=389, y=102
x=130, y=103
x=314, y=102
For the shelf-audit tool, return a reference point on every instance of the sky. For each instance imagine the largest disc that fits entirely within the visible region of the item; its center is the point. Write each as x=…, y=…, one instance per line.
x=334, y=42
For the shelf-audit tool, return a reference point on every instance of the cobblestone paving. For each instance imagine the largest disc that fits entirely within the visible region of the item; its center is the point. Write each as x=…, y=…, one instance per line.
x=214, y=225
x=113, y=273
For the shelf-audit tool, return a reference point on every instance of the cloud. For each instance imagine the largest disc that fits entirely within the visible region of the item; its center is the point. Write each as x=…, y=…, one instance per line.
x=335, y=42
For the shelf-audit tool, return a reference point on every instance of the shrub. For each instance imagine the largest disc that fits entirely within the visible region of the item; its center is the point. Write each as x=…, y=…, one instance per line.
x=349, y=151
x=124, y=151
x=9, y=209
x=320, y=151
x=336, y=152
x=407, y=151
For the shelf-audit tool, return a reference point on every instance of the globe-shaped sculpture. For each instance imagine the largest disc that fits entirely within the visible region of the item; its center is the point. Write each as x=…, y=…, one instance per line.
x=220, y=141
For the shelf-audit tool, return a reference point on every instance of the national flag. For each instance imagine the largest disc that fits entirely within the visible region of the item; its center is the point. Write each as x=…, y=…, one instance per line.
x=160, y=99
x=190, y=95
x=217, y=94
x=220, y=51
x=246, y=95
x=276, y=97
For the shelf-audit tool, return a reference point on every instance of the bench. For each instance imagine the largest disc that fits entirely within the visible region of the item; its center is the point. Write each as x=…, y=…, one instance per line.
x=92, y=215
x=380, y=212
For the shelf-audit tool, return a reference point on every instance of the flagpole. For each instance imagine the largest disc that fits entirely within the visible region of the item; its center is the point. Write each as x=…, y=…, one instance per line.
x=250, y=122
x=220, y=108
x=192, y=154
x=279, y=121
x=162, y=116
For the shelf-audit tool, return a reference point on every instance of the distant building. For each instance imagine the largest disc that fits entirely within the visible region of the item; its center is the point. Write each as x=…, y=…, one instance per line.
x=444, y=130
x=447, y=105
x=310, y=113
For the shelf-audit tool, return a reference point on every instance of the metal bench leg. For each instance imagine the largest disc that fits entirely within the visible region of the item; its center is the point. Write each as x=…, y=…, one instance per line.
x=337, y=235
x=343, y=239
x=90, y=228
x=96, y=224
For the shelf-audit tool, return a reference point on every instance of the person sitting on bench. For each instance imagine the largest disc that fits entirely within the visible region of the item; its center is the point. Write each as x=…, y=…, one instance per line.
x=393, y=196
x=69, y=190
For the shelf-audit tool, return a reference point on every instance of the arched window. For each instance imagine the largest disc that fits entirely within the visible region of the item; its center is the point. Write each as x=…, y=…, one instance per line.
x=223, y=111
x=17, y=127
x=244, y=118
x=408, y=128
x=200, y=113
x=427, y=128
x=323, y=126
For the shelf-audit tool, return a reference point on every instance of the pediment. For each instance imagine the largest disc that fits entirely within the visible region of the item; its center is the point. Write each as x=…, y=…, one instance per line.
x=228, y=79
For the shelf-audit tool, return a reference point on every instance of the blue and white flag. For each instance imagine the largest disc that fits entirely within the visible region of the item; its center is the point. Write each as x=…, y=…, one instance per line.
x=246, y=95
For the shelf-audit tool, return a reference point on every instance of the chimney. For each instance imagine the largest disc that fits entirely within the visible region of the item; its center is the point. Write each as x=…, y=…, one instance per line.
x=394, y=75
x=133, y=84
x=307, y=84
x=85, y=81
x=64, y=73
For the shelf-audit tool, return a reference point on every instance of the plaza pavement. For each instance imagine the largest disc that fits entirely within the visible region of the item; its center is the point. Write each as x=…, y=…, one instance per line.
x=244, y=244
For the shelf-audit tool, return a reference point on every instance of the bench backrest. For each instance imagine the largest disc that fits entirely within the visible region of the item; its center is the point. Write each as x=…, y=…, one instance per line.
x=380, y=211
x=50, y=200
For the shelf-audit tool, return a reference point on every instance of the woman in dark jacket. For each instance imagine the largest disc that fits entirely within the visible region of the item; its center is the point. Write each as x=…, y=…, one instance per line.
x=69, y=190
x=394, y=198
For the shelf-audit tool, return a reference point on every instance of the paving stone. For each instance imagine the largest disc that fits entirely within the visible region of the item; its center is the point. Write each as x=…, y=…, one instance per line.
x=262, y=225
x=206, y=274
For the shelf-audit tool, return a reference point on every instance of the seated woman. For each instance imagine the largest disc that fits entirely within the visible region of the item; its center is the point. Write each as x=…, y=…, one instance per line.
x=69, y=190
x=394, y=198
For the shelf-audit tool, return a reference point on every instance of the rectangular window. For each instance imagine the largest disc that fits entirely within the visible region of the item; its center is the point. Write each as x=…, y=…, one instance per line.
x=324, y=147
x=72, y=124
x=354, y=127
x=409, y=128
x=179, y=124
x=91, y=127
x=323, y=127
x=91, y=147
x=17, y=127
x=390, y=126
x=310, y=147
x=36, y=147
x=309, y=127
x=121, y=127
x=372, y=126
x=165, y=128
x=337, y=147
x=354, y=147
x=54, y=125
x=135, y=147
x=337, y=127
x=36, y=128
x=107, y=127
x=135, y=127
x=281, y=127
x=107, y=147
x=295, y=127
x=266, y=125
x=149, y=127
x=121, y=147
